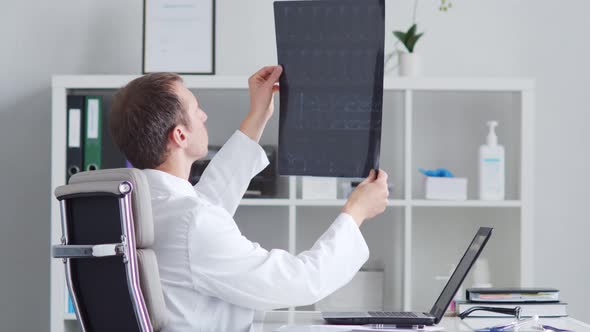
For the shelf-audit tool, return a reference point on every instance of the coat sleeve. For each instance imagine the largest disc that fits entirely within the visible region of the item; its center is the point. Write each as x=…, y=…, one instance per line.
x=227, y=176
x=226, y=265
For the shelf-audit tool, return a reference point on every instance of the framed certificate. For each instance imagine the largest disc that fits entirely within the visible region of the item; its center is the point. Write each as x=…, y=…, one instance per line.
x=179, y=36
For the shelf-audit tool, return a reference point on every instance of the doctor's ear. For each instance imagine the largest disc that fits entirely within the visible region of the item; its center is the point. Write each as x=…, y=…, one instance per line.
x=178, y=137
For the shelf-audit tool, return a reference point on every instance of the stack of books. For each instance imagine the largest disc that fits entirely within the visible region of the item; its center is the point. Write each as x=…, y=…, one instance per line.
x=543, y=302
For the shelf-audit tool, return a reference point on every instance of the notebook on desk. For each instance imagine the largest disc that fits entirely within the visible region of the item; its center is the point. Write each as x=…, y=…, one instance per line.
x=411, y=319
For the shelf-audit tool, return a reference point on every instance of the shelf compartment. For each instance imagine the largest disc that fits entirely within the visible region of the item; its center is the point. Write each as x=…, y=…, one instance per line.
x=391, y=152
x=338, y=202
x=449, y=127
x=265, y=202
x=468, y=203
x=383, y=234
x=440, y=237
x=391, y=203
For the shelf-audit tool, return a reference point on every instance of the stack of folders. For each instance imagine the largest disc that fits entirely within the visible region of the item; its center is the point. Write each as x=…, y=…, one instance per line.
x=89, y=146
x=543, y=302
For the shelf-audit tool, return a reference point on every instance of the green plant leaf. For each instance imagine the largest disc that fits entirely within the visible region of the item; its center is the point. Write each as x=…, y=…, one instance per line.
x=412, y=30
x=412, y=40
x=411, y=43
x=400, y=35
x=418, y=37
x=408, y=38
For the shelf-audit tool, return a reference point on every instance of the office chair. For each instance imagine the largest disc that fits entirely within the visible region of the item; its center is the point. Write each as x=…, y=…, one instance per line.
x=107, y=229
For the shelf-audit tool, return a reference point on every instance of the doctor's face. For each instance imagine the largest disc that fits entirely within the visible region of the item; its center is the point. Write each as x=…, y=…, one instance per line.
x=197, y=135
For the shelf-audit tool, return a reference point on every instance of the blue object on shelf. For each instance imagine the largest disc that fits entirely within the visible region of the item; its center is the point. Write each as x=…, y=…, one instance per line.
x=438, y=173
x=71, y=309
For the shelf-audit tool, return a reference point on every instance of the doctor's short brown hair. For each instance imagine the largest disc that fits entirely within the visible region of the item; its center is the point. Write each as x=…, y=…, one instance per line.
x=142, y=115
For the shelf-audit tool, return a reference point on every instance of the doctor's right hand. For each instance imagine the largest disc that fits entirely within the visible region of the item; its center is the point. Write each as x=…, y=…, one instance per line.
x=369, y=199
x=262, y=85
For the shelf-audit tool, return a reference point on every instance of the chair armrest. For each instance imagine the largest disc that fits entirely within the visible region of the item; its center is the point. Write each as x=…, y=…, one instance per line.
x=88, y=251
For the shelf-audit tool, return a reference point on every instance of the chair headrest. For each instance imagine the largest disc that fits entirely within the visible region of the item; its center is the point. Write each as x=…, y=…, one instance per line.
x=140, y=197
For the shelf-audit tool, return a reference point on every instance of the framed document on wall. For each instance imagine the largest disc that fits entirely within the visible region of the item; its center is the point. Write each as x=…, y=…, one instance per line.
x=179, y=36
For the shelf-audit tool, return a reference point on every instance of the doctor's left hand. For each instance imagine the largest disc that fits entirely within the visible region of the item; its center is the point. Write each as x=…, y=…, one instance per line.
x=262, y=85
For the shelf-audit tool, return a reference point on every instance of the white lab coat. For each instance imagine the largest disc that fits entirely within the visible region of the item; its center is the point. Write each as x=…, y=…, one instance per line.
x=213, y=278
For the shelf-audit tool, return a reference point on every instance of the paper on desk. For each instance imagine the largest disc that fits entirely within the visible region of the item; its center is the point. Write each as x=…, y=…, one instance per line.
x=312, y=328
x=425, y=329
x=347, y=328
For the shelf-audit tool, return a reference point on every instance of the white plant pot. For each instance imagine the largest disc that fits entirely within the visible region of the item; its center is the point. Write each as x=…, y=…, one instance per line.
x=410, y=64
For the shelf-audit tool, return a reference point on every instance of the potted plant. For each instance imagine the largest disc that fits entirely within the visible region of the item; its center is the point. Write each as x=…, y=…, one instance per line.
x=409, y=62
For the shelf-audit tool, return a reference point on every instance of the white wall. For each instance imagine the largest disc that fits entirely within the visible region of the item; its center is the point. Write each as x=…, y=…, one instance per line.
x=544, y=40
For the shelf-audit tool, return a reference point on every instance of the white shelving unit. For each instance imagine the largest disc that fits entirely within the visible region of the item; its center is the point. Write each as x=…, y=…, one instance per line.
x=413, y=97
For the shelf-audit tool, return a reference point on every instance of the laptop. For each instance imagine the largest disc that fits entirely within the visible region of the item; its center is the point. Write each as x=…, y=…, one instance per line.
x=410, y=319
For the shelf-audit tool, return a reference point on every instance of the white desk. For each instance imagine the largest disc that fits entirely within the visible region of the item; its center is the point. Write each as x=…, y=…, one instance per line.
x=275, y=319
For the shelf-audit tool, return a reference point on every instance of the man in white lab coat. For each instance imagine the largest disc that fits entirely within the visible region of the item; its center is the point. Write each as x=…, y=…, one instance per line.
x=213, y=278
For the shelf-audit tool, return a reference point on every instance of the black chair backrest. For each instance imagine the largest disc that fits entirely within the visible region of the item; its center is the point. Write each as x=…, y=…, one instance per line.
x=100, y=283
x=111, y=271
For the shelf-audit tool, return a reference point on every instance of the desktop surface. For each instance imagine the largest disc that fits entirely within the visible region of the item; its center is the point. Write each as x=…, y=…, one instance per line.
x=273, y=320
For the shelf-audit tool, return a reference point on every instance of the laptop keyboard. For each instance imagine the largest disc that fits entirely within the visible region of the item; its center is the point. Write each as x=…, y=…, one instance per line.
x=392, y=314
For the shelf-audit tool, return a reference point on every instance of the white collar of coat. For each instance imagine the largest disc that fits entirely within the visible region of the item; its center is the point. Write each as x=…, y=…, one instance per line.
x=171, y=183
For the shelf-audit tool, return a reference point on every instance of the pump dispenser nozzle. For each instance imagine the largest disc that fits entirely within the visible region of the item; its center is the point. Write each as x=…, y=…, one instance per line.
x=492, y=138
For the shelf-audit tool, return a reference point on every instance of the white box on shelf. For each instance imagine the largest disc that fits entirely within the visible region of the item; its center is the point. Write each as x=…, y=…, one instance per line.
x=446, y=188
x=364, y=292
x=319, y=187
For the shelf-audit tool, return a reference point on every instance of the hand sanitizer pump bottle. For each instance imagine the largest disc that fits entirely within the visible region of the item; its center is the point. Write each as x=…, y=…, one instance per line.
x=491, y=167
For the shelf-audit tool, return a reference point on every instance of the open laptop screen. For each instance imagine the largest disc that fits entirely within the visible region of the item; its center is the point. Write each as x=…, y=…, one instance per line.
x=470, y=256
